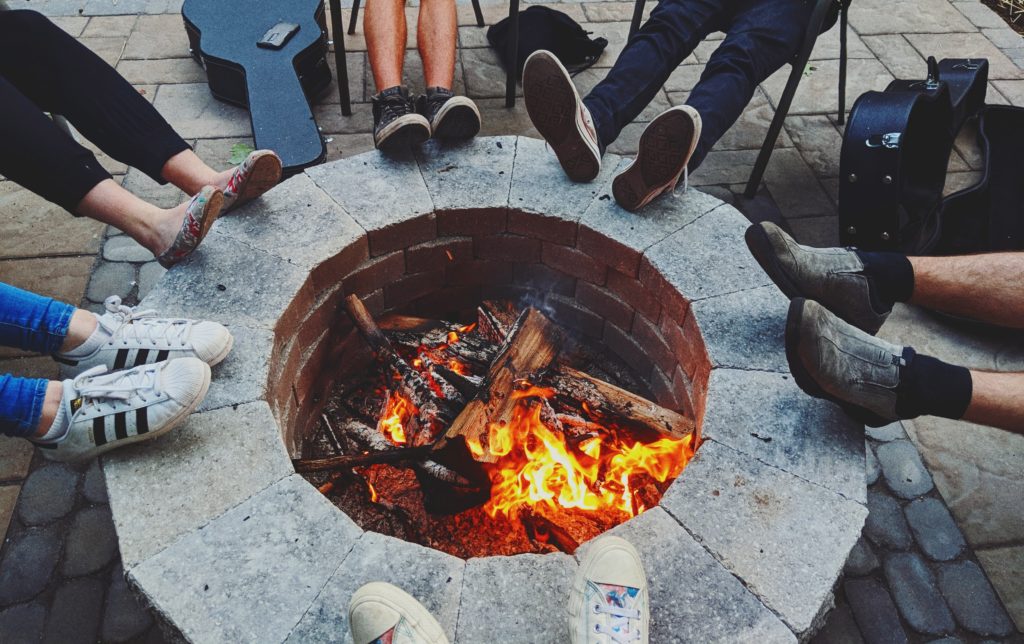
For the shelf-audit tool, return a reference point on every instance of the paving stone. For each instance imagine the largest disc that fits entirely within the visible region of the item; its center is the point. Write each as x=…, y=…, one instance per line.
x=160, y=36
x=724, y=166
x=767, y=417
x=972, y=599
x=707, y=257
x=268, y=223
x=505, y=595
x=954, y=45
x=746, y=329
x=916, y=595
x=903, y=470
x=862, y=560
x=15, y=455
x=874, y=612
x=980, y=15
x=827, y=45
x=794, y=187
x=90, y=543
x=818, y=141
x=242, y=376
x=152, y=7
x=109, y=26
x=111, y=278
x=872, y=467
x=48, y=494
x=818, y=92
x=1005, y=570
x=161, y=71
x=23, y=623
x=145, y=188
x=880, y=17
x=432, y=577
x=124, y=617
x=149, y=274
x=8, y=501
x=62, y=278
x=934, y=529
x=885, y=525
x=34, y=227
x=485, y=77
x=253, y=572
x=469, y=175
x=30, y=557
x=768, y=527
x=886, y=433
x=94, y=487
x=840, y=628
x=820, y=232
x=195, y=114
x=108, y=49
x=690, y=591
x=123, y=248
x=181, y=468
x=228, y=282
x=75, y=612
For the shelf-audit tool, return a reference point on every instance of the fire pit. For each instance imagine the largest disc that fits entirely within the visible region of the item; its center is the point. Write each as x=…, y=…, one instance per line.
x=227, y=542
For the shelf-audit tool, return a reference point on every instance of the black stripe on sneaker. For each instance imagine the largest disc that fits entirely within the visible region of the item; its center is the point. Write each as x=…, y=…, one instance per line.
x=121, y=359
x=141, y=420
x=140, y=357
x=162, y=355
x=99, y=430
x=120, y=426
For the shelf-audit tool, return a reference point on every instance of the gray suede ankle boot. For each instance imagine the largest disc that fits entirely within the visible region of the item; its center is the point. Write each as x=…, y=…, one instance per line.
x=833, y=276
x=834, y=360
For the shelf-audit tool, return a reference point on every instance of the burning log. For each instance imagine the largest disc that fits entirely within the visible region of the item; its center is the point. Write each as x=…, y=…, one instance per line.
x=495, y=320
x=348, y=461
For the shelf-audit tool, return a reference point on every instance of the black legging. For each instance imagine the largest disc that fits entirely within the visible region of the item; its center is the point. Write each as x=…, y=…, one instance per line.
x=43, y=69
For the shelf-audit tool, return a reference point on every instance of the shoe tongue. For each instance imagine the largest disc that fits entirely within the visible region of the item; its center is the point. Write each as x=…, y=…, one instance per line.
x=619, y=596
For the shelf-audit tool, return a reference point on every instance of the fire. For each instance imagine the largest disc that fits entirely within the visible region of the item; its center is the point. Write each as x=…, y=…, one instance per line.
x=536, y=465
x=397, y=413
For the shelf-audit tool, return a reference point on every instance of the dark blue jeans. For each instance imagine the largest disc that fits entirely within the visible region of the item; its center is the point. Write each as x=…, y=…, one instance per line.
x=761, y=37
x=33, y=323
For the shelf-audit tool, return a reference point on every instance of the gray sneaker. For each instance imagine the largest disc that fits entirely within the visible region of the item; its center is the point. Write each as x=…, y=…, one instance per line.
x=834, y=360
x=833, y=276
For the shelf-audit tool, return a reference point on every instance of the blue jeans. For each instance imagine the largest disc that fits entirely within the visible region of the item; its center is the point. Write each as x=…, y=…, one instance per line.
x=33, y=323
x=761, y=37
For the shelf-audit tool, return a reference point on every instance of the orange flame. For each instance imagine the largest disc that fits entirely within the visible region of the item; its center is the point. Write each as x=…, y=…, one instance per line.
x=396, y=414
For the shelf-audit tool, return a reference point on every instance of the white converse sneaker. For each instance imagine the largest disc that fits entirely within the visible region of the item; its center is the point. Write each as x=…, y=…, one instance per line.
x=135, y=338
x=380, y=613
x=608, y=602
x=110, y=410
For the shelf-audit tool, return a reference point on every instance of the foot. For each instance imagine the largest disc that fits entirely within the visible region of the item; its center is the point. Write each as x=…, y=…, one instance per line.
x=104, y=411
x=130, y=337
x=396, y=125
x=836, y=361
x=608, y=601
x=380, y=613
x=450, y=116
x=833, y=276
x=665, y=148
x=200, y=214
x=260, y=172
x=560, y=116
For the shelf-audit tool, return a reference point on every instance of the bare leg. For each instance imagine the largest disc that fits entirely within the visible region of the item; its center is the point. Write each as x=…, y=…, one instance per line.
x=83, y=323
x=384, y=25
x=986, y=287
x=997, y=400
x=191, y=174
x=51, y=403
x=436, y=33
x=152, y=227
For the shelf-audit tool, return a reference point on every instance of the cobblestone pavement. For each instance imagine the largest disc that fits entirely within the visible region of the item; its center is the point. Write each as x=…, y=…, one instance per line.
x=943, y=553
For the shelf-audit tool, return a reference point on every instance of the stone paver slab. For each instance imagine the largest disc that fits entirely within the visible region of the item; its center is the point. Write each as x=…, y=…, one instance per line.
x=253, y=572
x=34, y=227
x=746, y=329
x=897, y=54
x=515, y=599
x=169, y=487
x=818, y=91
x=8, y=499
x=689, y=589
x=916, y=595
x=161, y=71
x=431, y=576
x=886, y=526
x=470, y=175
x=1005, y=569
x=29, y=560
x=193, y=111
x=780, y=425
x=972, y=600
x=157, y=36
x=62, y=278
x=15, y=455
x=874, y=611
x=907, y=16
x=903, y=470
x=242, y=376
x=957, y=45
x=768, y=527
x=48, y=494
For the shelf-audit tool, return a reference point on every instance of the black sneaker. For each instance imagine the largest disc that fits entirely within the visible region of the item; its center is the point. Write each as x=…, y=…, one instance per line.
x=450, y=116
x=396, y=124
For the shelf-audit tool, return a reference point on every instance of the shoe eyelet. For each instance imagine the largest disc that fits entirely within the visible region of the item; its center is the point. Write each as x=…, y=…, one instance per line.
x=597, y=608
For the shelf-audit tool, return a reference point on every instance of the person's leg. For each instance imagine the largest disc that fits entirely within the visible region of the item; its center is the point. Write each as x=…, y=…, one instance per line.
x=988, y=287
x=27, y=405
x=385, y=29
x=763, y=36
x=436, y=34
x=997, y=400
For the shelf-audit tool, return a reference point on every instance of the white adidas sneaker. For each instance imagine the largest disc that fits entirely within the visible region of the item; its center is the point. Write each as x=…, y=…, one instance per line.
x=136, y=338
x=110, y=410
x=381, y=613
x=608, y=603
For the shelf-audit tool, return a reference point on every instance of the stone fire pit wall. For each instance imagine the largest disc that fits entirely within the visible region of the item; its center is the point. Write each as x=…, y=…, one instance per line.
x=227, y=543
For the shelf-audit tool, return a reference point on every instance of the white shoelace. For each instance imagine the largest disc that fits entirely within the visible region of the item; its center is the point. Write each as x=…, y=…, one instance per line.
x=144, y=326
x=619, y=620
x=99, y=387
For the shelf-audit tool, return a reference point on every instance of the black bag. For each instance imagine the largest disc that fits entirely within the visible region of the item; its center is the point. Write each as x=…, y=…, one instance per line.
x=544, y=28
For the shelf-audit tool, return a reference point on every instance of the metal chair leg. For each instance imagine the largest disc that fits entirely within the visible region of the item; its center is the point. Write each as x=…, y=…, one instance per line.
x=340, y=62
x=353, y=18
x=513, y=54
x=479, y=14
x=638, y=14
x=841, y=118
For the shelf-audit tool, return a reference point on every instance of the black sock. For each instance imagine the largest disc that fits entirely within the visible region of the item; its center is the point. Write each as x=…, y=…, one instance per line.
x=891, y=275
x=932, y=387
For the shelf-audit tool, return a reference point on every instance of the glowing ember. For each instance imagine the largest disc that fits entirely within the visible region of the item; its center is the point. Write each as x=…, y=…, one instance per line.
x=397, y=413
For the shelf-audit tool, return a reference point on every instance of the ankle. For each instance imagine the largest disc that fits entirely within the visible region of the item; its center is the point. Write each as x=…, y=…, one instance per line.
x=52, y=421
x=891, y=275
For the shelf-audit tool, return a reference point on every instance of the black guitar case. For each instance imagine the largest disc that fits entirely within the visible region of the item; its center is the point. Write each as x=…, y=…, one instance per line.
x=274, y=80
x=895, y=153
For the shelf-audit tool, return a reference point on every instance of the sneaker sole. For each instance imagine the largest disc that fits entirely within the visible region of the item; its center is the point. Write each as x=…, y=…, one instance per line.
x=425, y=624
x=553, y=105
x=264, y=175
x=803, y=378
x=664, y=150
x=407, y=131
x=579, y=584
x=458, y=118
